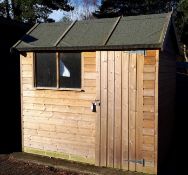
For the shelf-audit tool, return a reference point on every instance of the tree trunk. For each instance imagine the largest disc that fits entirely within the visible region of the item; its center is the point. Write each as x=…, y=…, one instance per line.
x=7, y=8
x=185, y=52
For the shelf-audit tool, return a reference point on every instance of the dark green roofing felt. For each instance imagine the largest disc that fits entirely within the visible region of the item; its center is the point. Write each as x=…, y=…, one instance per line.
x=134, y=32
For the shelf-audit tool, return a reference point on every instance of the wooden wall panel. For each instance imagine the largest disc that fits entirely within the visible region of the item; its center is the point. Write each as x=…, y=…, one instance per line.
x=59, y=121
x=150, y=112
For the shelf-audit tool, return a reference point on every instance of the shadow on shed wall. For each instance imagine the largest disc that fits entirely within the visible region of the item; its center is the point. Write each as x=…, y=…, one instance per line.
x=10, y=118
x=175, y=162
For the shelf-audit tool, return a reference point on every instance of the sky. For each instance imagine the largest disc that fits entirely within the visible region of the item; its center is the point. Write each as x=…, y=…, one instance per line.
x=58, y=15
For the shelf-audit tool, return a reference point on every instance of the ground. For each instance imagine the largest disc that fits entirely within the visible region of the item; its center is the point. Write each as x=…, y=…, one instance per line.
x=11, y=166
x=30, y=164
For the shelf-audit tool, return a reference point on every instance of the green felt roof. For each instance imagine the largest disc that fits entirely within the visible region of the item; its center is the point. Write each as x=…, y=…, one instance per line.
x=131, y=32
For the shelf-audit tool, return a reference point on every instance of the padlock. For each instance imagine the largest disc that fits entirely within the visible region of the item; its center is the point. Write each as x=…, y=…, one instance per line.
x=93, y=107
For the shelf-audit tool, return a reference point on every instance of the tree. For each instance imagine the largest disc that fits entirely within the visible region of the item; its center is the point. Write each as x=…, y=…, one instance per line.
x=113, y=8
x=32, y=10
x=82, y=11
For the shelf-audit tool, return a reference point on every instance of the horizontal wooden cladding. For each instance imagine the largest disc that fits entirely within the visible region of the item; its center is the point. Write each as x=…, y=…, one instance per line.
x=151, y=53
x=148, y=84
x=149, y=60
x=89, y=54
x=149, y=68
x=59, y=108
x=149, y=92
x=58, y=101
x=58, y=131
x=54, y=94
x=149, y=100
x=89, y=68
x=149, y=115
x=149, y=111
x=149, y=76
x=56, y=120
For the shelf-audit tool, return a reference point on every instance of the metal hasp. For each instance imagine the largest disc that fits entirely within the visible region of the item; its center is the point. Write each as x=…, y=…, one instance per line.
x=94, y=105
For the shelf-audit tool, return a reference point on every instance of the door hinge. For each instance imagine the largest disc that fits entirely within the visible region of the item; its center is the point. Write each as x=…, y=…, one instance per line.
x=142, y=162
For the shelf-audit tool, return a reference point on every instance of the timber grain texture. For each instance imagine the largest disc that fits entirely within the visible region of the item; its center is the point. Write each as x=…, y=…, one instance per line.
x=127, y=119
x=59, y=121
x=122, y=133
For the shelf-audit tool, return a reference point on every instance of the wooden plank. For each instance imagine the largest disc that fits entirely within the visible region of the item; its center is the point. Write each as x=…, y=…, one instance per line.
x=148, y=147
x=149, y=124
x=125, y=111
x=148, y=108
x=63, y=102
x=148, y=132
x=148, y=115
x=132, y=112
x=139, y=114
x=89, y=54
x=149, y=68
x=104, y=107
x=98, y=118
x=89, y=61
x=89, y=68
x=90, y=83
x=149, y=84
x=111, y=96
x=149, y=76
x=149, y=100
x=148, y=139
x=151, y=53
x=117, y=123
x=90, y=75
x=156, y=112
x=148, y=60
x=149, y=92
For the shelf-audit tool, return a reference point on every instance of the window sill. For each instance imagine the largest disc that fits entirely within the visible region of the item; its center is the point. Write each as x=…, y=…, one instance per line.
x=60, y=89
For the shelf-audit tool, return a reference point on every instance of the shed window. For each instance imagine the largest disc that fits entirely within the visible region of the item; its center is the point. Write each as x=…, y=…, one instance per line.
x=46, y=73
x=70, y=70
x=59, y=71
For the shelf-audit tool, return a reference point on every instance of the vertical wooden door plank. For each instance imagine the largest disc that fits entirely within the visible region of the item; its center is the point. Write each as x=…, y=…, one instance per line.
x=125, y=110
x=110, y=148
x=118, y=126
x=132, y=112
x=139, y=115
x=104, y=106
x=98, y=118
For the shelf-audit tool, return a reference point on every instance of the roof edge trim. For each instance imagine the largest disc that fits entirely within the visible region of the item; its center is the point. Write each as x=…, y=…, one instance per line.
x=165, y=29
x=19, y=41
x=93, y=48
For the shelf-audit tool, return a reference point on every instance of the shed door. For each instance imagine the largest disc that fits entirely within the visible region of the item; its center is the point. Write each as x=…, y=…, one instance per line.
x=120, y=114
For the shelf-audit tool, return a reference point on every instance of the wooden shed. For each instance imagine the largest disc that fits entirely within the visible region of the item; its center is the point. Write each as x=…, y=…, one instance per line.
x=100, y=91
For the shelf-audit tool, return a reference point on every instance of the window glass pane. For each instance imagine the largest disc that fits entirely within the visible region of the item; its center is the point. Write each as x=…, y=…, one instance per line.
x=70, y=70
x=45, y=66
